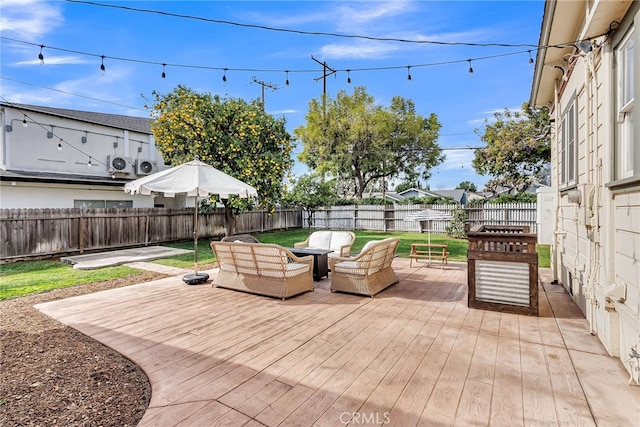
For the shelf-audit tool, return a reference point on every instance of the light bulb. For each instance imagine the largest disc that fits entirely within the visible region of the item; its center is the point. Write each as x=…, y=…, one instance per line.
x=40, y=55
x=24, y=122
x=102, y=67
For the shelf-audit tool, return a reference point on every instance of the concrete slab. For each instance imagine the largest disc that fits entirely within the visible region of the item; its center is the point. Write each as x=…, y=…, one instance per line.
x=122, y=256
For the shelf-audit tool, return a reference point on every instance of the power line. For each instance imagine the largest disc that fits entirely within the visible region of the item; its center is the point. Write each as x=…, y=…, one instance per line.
x=311, y=33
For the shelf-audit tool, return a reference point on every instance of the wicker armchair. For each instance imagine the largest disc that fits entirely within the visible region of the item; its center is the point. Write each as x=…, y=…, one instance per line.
x=263, y=269
x=367, y=273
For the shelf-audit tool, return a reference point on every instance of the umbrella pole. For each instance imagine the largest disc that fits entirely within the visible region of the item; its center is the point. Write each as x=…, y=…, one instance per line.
x=195, y=238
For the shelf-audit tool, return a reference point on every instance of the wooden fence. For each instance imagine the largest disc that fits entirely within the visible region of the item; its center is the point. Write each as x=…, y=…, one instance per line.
x=392, y=217
x=42, y=233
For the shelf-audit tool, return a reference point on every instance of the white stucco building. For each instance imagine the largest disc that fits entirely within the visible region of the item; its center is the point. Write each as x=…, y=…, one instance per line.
x=59, y=158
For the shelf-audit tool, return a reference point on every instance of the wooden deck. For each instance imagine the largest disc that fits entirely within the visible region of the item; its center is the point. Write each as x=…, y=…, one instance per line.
x=413, y=355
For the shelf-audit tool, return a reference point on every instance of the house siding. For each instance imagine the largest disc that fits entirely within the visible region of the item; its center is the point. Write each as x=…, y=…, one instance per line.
x=596, y=250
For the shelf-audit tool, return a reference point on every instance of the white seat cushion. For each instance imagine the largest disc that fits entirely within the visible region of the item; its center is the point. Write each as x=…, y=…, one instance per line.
x=291, y=269
x=320, y=239
x=339, y=239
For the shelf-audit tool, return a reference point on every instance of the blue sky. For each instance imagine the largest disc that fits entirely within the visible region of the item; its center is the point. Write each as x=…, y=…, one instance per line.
x=75, y=35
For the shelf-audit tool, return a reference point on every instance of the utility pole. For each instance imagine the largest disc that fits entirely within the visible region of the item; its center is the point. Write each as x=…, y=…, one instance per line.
x=326, y=71
x=264, y=84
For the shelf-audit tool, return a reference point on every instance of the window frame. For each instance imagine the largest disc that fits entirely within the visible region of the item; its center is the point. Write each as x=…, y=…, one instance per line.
x=626, y=165
x=105, y=204
x=568, y=147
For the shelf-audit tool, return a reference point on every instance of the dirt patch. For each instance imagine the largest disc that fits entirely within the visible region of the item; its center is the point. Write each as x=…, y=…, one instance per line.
x=51, y=374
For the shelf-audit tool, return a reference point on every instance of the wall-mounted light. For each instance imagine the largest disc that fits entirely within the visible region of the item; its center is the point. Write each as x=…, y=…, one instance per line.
x=585, y=46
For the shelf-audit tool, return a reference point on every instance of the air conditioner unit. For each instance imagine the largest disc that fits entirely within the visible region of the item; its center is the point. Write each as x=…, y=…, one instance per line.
x=119, y=164
x=145, y=167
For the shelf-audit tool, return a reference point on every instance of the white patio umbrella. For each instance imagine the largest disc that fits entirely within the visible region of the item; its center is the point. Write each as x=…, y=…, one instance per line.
x=195, y=179
x=428, y=215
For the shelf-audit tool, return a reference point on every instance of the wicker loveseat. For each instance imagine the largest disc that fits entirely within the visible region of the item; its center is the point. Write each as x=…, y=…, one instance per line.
x=367, y=273
x=263, y=269
x=339, y=242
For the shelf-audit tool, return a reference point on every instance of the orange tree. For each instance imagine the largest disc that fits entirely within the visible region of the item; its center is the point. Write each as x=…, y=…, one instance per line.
x=232, y=135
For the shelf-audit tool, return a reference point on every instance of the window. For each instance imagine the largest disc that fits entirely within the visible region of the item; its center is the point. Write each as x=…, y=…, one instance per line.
x=625, y=165
x=568, y=146
x=101, y=204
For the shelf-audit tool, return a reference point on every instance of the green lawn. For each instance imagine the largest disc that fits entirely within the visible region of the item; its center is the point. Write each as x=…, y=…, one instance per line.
x=23, y=278
x=30, y=277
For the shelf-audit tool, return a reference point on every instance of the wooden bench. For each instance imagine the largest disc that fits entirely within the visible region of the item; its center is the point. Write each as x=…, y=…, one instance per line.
x=430, y=251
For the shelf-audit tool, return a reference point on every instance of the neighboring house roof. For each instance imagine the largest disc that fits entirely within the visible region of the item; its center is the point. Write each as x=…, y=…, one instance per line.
x=60, y=178
x=130, y=123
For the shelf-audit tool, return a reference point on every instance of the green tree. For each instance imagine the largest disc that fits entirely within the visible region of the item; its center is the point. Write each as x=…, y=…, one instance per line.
x=518, y=148
x=356, y=140
x=467, y=185
x=407, y=184
x=232, y=135
x=310, y=192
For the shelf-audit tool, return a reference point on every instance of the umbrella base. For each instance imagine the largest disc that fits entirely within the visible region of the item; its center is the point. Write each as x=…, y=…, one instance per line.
x=195, y=279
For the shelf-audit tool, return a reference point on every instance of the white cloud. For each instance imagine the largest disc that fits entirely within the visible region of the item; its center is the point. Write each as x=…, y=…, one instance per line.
x=30, y=19
x=55, y=60
x=457, y=159
x=287, y=111
x=358, y=50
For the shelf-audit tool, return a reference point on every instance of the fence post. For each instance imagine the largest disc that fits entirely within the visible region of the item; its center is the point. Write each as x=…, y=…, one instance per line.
x=81, y=231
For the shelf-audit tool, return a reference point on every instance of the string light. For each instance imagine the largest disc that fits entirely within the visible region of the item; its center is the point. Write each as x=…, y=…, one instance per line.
x=224, y=75
x=348, y=77
x=40, y=55
x=530, y=58
x=286, y=82
x=470, y=67
x=92, y=161
x=164, y=75
x=409, y=72
x=102, y=67
x=191, y=66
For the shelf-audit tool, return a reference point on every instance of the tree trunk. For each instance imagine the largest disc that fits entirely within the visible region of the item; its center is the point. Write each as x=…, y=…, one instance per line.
x=229, y=220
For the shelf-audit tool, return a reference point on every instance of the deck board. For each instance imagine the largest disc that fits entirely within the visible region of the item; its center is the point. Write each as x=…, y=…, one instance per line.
x=413, y=355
